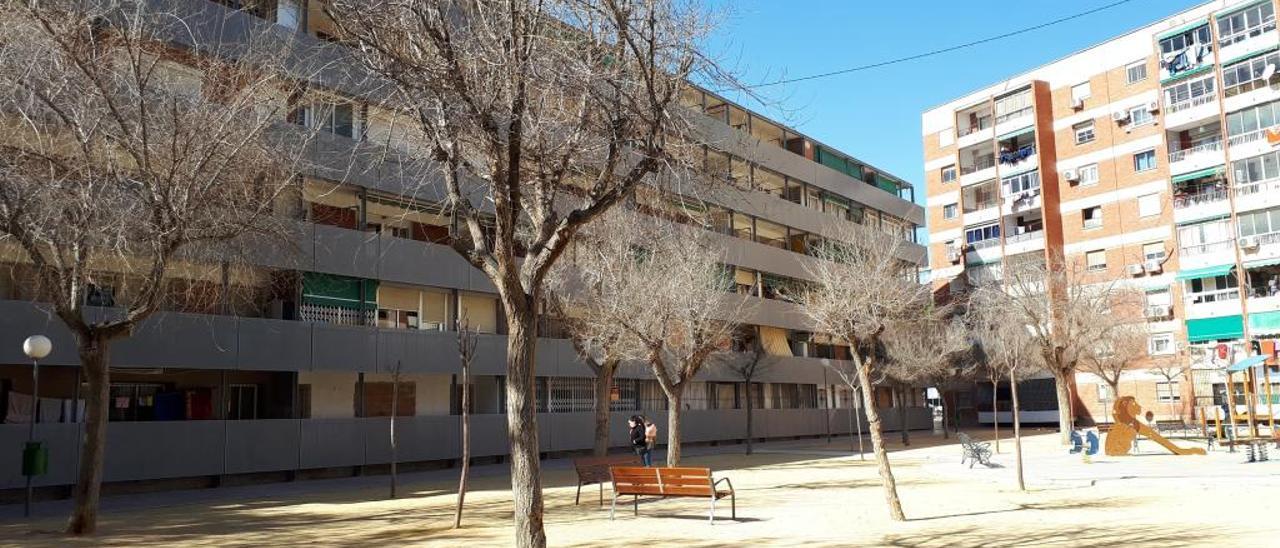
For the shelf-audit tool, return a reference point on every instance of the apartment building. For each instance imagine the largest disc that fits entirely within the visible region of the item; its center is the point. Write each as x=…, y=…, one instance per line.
x=289, y=370
x=1151, y=158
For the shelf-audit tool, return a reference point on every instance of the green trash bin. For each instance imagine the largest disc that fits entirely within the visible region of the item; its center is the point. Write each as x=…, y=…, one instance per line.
x=35, y=459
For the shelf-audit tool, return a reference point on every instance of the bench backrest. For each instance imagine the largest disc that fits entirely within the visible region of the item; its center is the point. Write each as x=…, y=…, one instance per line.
x=596, y=469
x=662, y=481
x=964, y=438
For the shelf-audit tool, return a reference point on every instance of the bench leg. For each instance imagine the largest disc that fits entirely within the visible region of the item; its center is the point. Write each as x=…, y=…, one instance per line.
x=602, y=495
x=635, y=505
x=578, y=495
x=733, y=505
x=613, y=505
x=712, y=520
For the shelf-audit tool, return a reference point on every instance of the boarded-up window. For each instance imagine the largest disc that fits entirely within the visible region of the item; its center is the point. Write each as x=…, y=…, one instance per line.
x=377, y=400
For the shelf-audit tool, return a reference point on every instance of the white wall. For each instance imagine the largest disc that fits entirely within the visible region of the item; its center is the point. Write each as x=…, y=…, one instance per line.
x=332, y=393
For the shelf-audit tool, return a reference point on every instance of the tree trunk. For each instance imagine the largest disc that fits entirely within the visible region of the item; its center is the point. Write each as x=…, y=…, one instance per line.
x=94, y=357
x=1065, y=422
x=604, y=390
x=750, y=426
x=673, y=425
x=395, y=403
x=902, y=417
x=1017, y=431
x=466, y=440
x=522, y=427
x=858, y=400
x=877, y=445
x=995, y=411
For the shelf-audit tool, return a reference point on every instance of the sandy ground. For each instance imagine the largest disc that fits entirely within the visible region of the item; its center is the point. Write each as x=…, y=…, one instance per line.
x=793, y=493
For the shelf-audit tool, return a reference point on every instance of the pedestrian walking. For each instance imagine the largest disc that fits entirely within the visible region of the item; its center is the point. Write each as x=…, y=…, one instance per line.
x=650, y=439
x=636, y=425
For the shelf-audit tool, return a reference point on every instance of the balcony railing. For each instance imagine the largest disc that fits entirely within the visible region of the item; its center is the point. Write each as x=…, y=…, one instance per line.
x=978, y=165
x=983, y=123
x=984, y=244
x=1250, y=189
x=1190, y=103
x=980, y=206
x=1014, y=115
x=335, y=315
x=1024, y=237
x=1201, y=249
x=1183, y=201
x=1215, y=296
x=1210, y=145
x=1251, y=136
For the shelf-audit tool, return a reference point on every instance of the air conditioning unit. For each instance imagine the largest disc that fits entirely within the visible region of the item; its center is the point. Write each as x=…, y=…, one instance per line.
x=953, y=255
x=1120, y=116
x=1135, y=270
x=1249, y=242
x=1159, y=311
x=1153, y=266
x=1071, y=175
x=1077, y=104
x=1153, y=106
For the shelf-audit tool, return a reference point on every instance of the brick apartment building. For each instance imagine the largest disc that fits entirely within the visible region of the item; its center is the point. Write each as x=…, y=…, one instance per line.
x=1152, y=158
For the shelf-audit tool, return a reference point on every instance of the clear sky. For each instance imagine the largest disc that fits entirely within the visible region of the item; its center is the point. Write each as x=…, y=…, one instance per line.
x=875, y=114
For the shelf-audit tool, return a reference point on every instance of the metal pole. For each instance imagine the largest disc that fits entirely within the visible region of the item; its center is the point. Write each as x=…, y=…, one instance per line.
x=31, y=427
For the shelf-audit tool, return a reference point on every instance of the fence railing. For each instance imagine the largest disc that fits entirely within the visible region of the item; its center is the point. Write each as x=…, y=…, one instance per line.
x=1200, y=198
x=1211, y=145
x=1190, y=103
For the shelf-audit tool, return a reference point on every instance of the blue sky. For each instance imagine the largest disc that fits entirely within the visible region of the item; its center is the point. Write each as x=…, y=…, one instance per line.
x=875, y=114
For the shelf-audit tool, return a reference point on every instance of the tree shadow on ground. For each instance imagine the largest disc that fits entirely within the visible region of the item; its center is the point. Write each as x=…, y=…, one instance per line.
x=1084, y=534
x=1092, y=504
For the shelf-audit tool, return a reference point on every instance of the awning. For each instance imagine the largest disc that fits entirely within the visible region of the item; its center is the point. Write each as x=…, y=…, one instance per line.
x=1261, y=263
x=1182, y=29
x=1029, y=129
x=1197, y=174
x=1206, y=272
x=1251, y=361
x=1250, y=56
x=1264, y=323
x=1212, y=329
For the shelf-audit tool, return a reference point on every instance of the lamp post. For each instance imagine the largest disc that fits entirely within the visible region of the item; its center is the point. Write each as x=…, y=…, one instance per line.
x=34, y=456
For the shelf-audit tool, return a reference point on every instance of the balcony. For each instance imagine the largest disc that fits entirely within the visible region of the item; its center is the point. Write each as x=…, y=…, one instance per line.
x=1195, y=200
x=983, y=251
x=1199, y=155
x=979, y=169
x=1207, y=254
x=1024, y=201
x=981, y=213
x=1017, y=160
x=1245, y=42
x=1192, y=110
x=1258, y=195
x=974, y=125
x=1210, y=304
x=1025, y=242
x=1253, y=143
x=1260, y=247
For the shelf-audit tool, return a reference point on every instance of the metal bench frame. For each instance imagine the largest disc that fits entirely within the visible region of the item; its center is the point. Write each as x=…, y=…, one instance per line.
x=974, y=452
x=713, y=493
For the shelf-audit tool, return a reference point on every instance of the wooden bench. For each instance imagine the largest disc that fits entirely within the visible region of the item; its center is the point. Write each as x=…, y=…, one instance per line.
x=596, y=470
x=973, y=451
x=670, y=482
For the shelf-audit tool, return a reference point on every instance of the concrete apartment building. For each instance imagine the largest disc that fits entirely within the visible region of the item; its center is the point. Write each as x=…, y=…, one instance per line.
x=1150, y=158
x=290, y=373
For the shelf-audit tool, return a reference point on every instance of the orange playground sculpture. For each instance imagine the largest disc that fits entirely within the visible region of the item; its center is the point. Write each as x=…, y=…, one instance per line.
x=1127, y=427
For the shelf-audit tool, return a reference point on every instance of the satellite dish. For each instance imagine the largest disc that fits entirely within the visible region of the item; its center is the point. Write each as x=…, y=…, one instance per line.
x=1268, y=72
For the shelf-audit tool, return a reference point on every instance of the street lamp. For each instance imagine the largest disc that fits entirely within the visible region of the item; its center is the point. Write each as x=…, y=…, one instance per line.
x=35, y=458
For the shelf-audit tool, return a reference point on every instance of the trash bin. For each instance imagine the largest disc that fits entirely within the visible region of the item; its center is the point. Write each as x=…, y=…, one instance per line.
x=35, y=459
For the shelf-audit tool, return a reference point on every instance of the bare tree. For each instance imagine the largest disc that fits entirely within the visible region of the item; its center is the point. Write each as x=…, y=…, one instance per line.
x=467, y=340
x=1116, y=352
x=863, y=287
x=923, y=350
x=747, y=366
x=135, y=148
x=659, y=294
x=1172, y=371
x=1010, y=348
x=1066, y=308
x=546, y=113
x=598, y=348
x=847, y=372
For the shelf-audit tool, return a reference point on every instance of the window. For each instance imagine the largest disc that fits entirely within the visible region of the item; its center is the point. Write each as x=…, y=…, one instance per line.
x=1144, y=160
x=949, y=174
x=949, y=211
x=242, y=402
x=1136, y=72
x=1141, y=116
x=1089, y=175
x=1242, y=125
x=1246, y=75
x=1183, y=95
x=1096, y=260
x=1160, y=344
x=132, y=401
x=982, y=233
x=1153, y=251
x=1021, y=182
x=1013, y=106
x=1149, y=204
x=1258, y=168
x=1084, y=132
x=1159, y=297
x=1259, y=223
x=1204, y=237
x=1180, y=52
x=1169, y=392
x=1246, y=23
x=1091, y=217
x=1080, y=92
x=330, y=117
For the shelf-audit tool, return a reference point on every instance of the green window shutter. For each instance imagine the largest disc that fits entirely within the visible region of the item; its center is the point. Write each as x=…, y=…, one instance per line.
x=341, y=291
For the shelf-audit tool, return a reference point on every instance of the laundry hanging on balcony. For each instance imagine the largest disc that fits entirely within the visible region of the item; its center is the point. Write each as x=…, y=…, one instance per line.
x=1015, y=156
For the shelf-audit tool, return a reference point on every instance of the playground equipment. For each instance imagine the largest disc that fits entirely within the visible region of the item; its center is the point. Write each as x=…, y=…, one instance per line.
x=1255, y=410
x=1127, y=427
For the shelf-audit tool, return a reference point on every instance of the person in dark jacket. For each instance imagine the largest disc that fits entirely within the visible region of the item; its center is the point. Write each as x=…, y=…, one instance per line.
x=636, y=424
